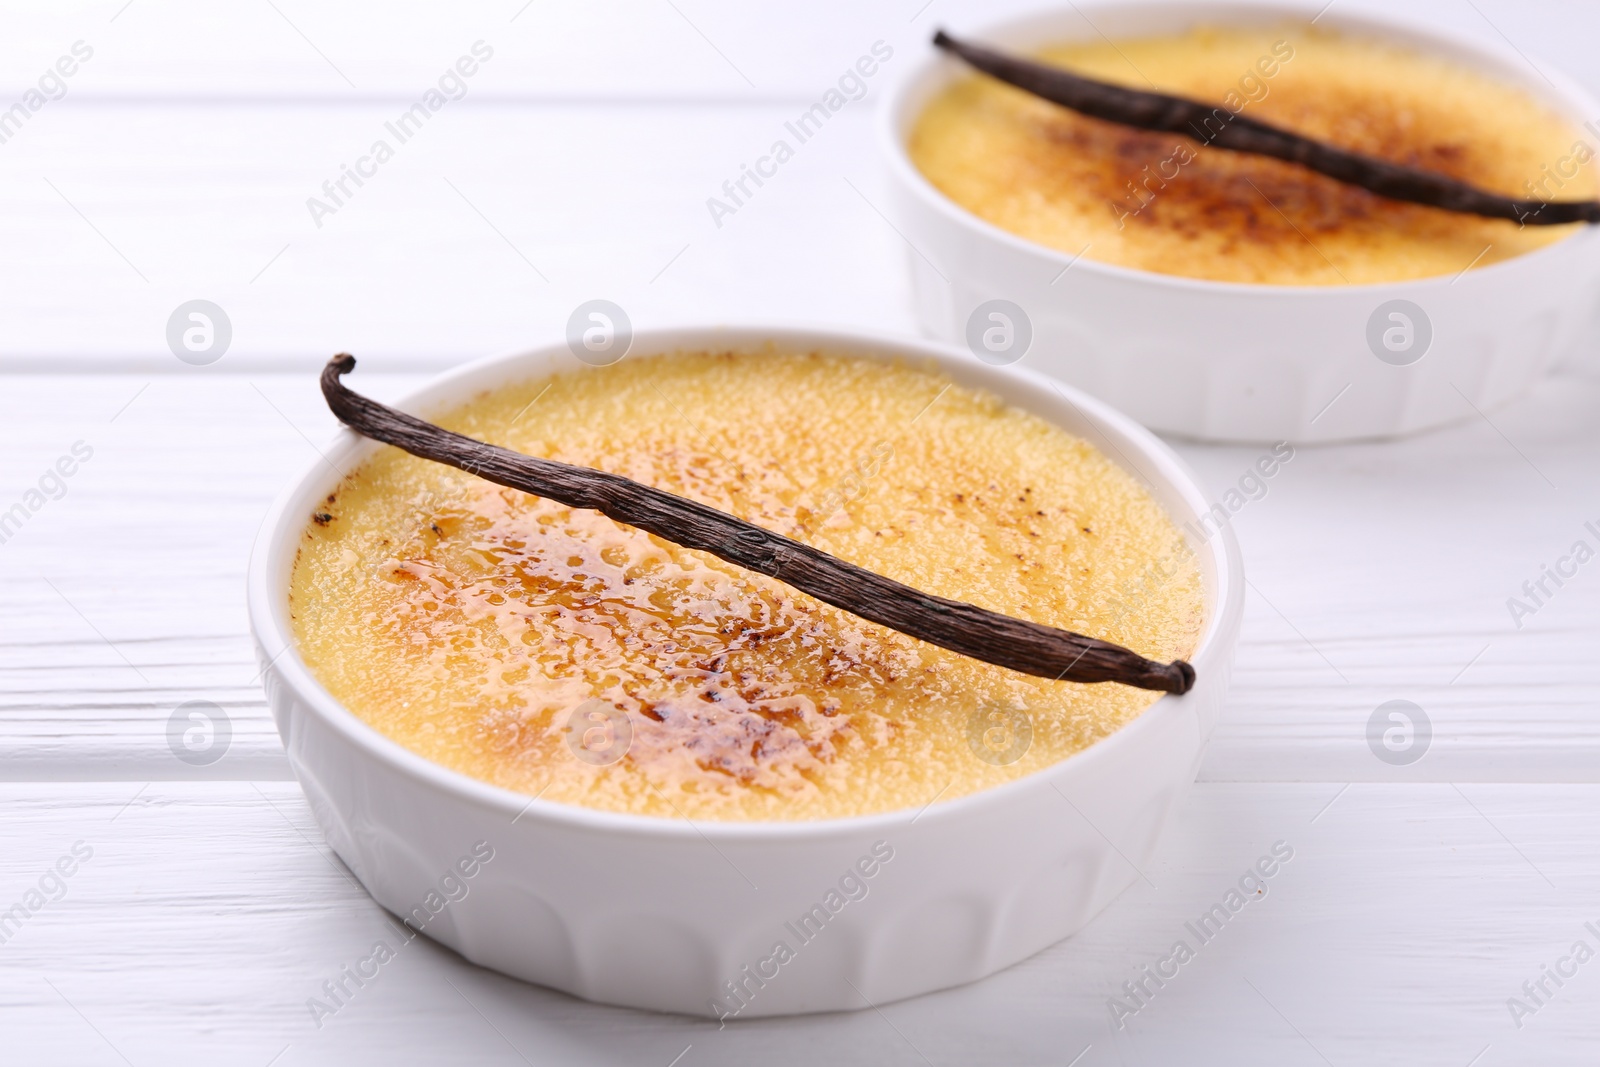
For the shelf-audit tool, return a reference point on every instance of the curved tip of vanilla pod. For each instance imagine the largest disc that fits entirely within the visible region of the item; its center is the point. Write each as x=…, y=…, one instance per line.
x=1185, y=677
x=333, y=390
x=336, y=368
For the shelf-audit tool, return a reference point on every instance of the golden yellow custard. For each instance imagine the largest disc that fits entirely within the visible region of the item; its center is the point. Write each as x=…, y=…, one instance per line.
x=1167, y=203
x=472, y=623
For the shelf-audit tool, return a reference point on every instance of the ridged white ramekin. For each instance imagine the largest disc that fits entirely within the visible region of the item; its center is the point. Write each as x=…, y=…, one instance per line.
x=661, y=913
x=1235, y=362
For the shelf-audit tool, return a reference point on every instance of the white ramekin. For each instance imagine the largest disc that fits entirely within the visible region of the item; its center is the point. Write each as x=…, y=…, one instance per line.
x=660, y=913
x=1235, y=362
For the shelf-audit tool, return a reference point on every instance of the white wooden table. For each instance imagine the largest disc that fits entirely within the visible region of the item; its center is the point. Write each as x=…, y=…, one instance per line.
x=177, y=166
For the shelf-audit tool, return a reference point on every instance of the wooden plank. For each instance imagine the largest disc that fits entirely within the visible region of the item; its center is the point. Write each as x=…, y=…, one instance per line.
x=125, y=596
x=486, y=228
x=209, y=913
x=1380, y=572
x=1383, y=571
x=627, y=49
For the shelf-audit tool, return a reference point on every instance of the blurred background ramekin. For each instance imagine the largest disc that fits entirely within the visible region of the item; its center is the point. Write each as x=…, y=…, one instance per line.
x=1224, y=361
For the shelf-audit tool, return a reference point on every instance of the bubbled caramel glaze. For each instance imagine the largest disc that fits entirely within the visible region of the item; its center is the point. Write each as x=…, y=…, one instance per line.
x=469, y=621
x=1163, y=202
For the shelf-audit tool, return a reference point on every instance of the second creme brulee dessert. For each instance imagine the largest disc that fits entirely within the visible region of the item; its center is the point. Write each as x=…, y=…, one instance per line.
x=1168, y=203
x=467, y=621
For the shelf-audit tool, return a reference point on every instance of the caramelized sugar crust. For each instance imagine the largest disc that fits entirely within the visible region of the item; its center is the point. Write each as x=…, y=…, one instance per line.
x=468, y=621
x=1163, y=202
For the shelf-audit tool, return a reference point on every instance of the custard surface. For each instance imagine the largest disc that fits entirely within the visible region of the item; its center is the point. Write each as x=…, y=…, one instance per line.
x=468, y=621
x=1166, y=203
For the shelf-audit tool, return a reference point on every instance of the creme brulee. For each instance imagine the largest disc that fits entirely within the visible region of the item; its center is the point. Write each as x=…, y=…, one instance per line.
x=468, y=622
x=1167, y=203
